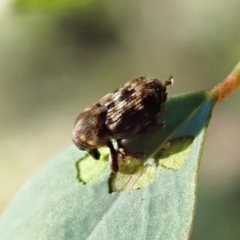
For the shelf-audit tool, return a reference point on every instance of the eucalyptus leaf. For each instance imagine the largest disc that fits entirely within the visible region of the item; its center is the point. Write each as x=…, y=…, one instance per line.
x=63, y=201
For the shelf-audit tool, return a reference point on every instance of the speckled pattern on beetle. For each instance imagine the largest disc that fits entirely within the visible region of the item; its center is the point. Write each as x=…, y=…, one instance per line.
x=125, y=113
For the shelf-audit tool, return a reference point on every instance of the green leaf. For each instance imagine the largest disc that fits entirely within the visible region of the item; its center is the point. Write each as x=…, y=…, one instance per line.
x=64, y=201
x=174, y=153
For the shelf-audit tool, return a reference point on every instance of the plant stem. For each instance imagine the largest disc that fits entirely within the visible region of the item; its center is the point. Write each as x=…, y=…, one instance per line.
x=229, y=84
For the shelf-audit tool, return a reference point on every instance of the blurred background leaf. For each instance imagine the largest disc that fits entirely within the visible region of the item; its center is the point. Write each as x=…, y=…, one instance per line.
x=48, y=60
x=53, y=5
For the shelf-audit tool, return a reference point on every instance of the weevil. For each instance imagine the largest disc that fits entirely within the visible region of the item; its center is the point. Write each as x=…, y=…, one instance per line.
x=129, y=111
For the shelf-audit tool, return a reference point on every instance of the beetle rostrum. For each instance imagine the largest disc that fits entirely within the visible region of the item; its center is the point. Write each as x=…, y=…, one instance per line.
x=125, y=113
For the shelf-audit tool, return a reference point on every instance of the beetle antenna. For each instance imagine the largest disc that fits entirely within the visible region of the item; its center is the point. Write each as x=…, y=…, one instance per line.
x=169, y=81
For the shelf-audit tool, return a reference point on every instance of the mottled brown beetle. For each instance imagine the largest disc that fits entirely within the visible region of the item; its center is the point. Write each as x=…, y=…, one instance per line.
x=129, y=111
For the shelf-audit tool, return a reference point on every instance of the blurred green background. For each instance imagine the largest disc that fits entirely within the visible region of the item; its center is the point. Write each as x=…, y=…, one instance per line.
x=54, y=63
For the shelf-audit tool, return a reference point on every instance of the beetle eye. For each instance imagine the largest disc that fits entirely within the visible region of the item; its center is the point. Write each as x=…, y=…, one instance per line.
x=79, y=145
x=94, y=153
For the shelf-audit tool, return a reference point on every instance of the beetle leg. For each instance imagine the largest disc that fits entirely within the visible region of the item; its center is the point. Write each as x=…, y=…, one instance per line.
x=124, y=152
x=162, y=125
x=113, y=157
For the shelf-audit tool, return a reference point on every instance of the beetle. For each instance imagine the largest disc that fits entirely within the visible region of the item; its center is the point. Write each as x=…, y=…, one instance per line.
x=129, y=111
